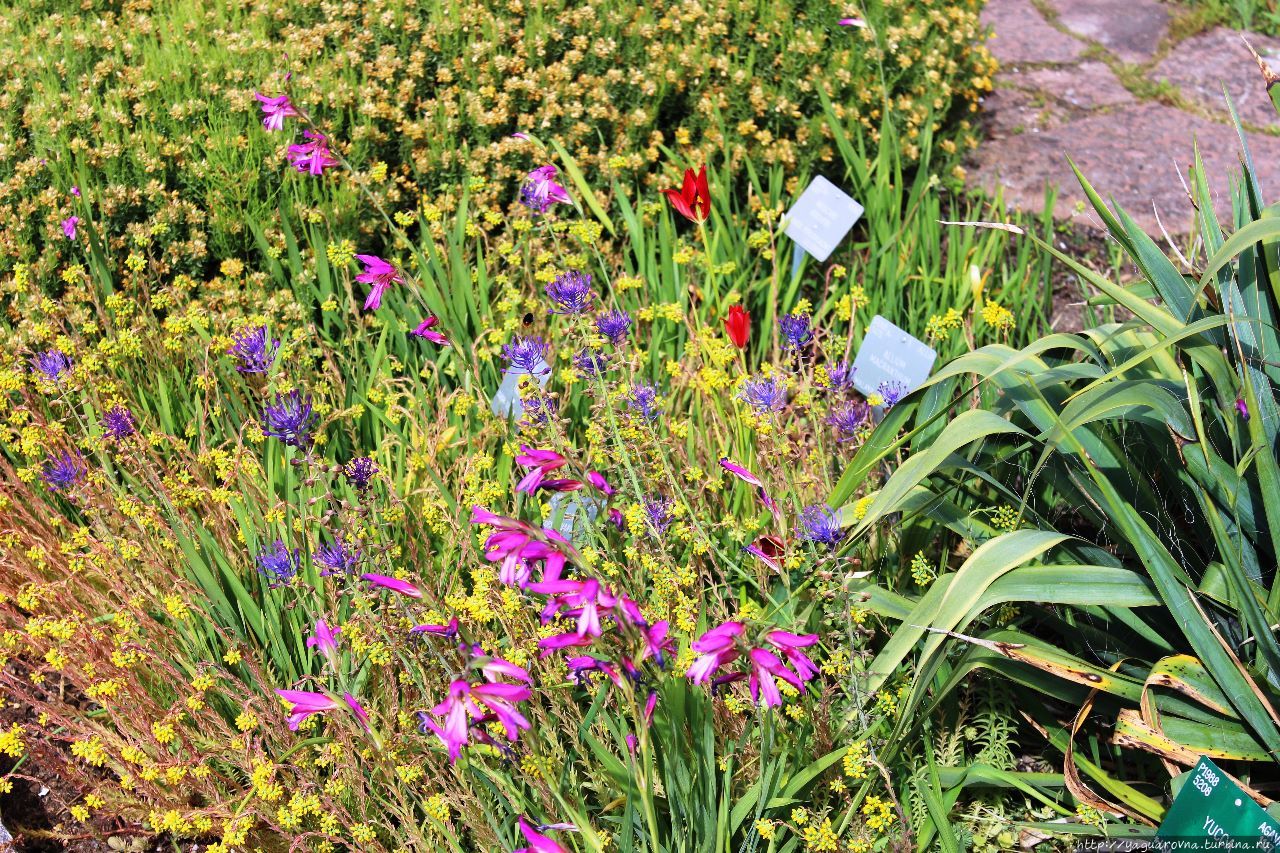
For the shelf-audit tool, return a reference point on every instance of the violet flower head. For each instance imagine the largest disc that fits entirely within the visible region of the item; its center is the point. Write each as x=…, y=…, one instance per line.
x=540, y=190
x=337, y=558
x=591, y=362
x=277, y=563
x=820, y=524
x=254, y=351
x=360, y=473
x=839, y=377
x=571, y=292
x=849, y=418
x=62, y=471
x=52, y=365
x=539, y=410
x=380, y=275
x=290, y=419
x=118, y=422
x=615, y=326
x=643, y=401
x=1242, y=407
x=275, y=110
x=891, y=393
x=658, y=515
x=795, y=331
x=312, y=156
x=765, y=393
x=69, y=226
x=75, y=191
x=527, y=355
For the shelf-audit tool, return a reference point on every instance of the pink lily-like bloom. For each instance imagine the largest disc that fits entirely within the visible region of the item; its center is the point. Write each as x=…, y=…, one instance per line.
x=852, y=22
x=790, y=645
x=356, y=708
x=539, y=843
x=650, y=705
x=657, y=644
x=764, y=666
x=393, y=584
x=275, y=110
x=461, y=708
x=450, y=630
x=69, y=226
x=751, y=479
x=380, y=275
x=494, y=667
x=515, y=544
x=312, y=156
x=454, y=734
x=325, y=641
x=586, y=663
x=595, y=478
x=538, y=463
x=581, y=599
x=715, y=649
x=424, y=331
x=540, y=190
x=768, y=549
x=304, y=703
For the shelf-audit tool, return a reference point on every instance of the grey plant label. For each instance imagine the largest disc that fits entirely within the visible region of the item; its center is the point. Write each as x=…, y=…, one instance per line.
x=506, y=402
x=575, y=510
x=889, y=355
x=821, y=217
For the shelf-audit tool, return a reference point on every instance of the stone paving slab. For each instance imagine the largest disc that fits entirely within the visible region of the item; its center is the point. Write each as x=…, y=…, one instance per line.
x=1023, y=35
x=1058, y=94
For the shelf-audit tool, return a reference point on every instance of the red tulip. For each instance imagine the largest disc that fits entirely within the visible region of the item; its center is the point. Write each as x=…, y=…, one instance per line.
x=738, y=326
x=693, y=199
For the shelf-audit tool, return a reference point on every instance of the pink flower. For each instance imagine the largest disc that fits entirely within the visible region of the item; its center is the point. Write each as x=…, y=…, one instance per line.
x=304, y=703
x=325, y=641
x=715, y=649
x=741, y=473
x=454, y=733
x=380, y=275
x=852, y=22
x=540, y=190
x=597, y=479
x=539, y=843
x=424, y=331
x=790, y=645
x=586, y=663
x=650, y=706
x=75, y=191
x=464, y=706
x=764, y=666
x=517, y=544
x=768, y=549
x=356, y=708
x=450, y=630
x=538, y=463
x=493, y=668
x=69, y=226
x=393, y=584
x=313, y=156
x=275, y=111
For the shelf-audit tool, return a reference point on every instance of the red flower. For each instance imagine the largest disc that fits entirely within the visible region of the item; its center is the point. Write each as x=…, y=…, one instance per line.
x=738, y=326
x=693, y=199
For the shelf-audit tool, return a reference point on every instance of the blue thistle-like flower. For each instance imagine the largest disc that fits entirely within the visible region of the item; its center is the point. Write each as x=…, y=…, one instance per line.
x=291, y=419
x=278, y=563
x=571, y=292
x=764, y=393
x=614, y=325
x=253, y=350
x=849, y=418
x=592, y=362
x=336, y=557
x=360, y=472
x=657, y=514
x=819, y=523
x=643, y=400
x=118, y=422
x=527, y=354
x=891, y=393
x=62, y=471
x=52, y=364
x=795, y=330
x=840, y=377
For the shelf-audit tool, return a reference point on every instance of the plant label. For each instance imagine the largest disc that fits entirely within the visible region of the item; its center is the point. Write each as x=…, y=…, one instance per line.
x=506, y=402
x=820, y=218
x=1212, y=807
x=892, y=358
x=575, y=510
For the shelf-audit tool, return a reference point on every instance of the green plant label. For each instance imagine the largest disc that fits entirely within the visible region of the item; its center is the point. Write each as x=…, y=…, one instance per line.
x=890, y=361
x=820, y=218
x=1212, y=813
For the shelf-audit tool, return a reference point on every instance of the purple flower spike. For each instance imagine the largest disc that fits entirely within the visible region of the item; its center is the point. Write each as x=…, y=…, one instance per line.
x=278, y=563
x=62, y=471
x=118, y=423
x=643, y=401
x=571, y=292
x=52, y=365
x=795, y=331
x=527, y=355
x=360, y=473
x=849, y=419
x=614, y=326
x=765, y=394
x=69, y=226
x=820, y=524
x=254, y=351
x=290, y=419
x=337, y=558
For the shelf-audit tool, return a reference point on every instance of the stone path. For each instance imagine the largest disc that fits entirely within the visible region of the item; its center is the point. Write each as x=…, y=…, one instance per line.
x=1106, y=82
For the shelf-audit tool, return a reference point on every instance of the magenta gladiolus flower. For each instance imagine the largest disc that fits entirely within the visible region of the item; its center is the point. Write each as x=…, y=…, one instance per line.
x=538, y=463
x=69, y=226
x=741, y=473
x=540, y=190
x=464, y=706
x=454, y=733
x=597, y=479
x=516, y=544
x=765, y=665
x=304, y=703
x=768, y=549
x=75, y=191
x=852, y=22
x=312, y=156
x=380, y=275
x=650, y=706
x=393, y=584
x=424, y=331
x=450, y=631
x=356, y=708
x=715, y=649
x=275, y=110
x=539, y=843
x=325, y=641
